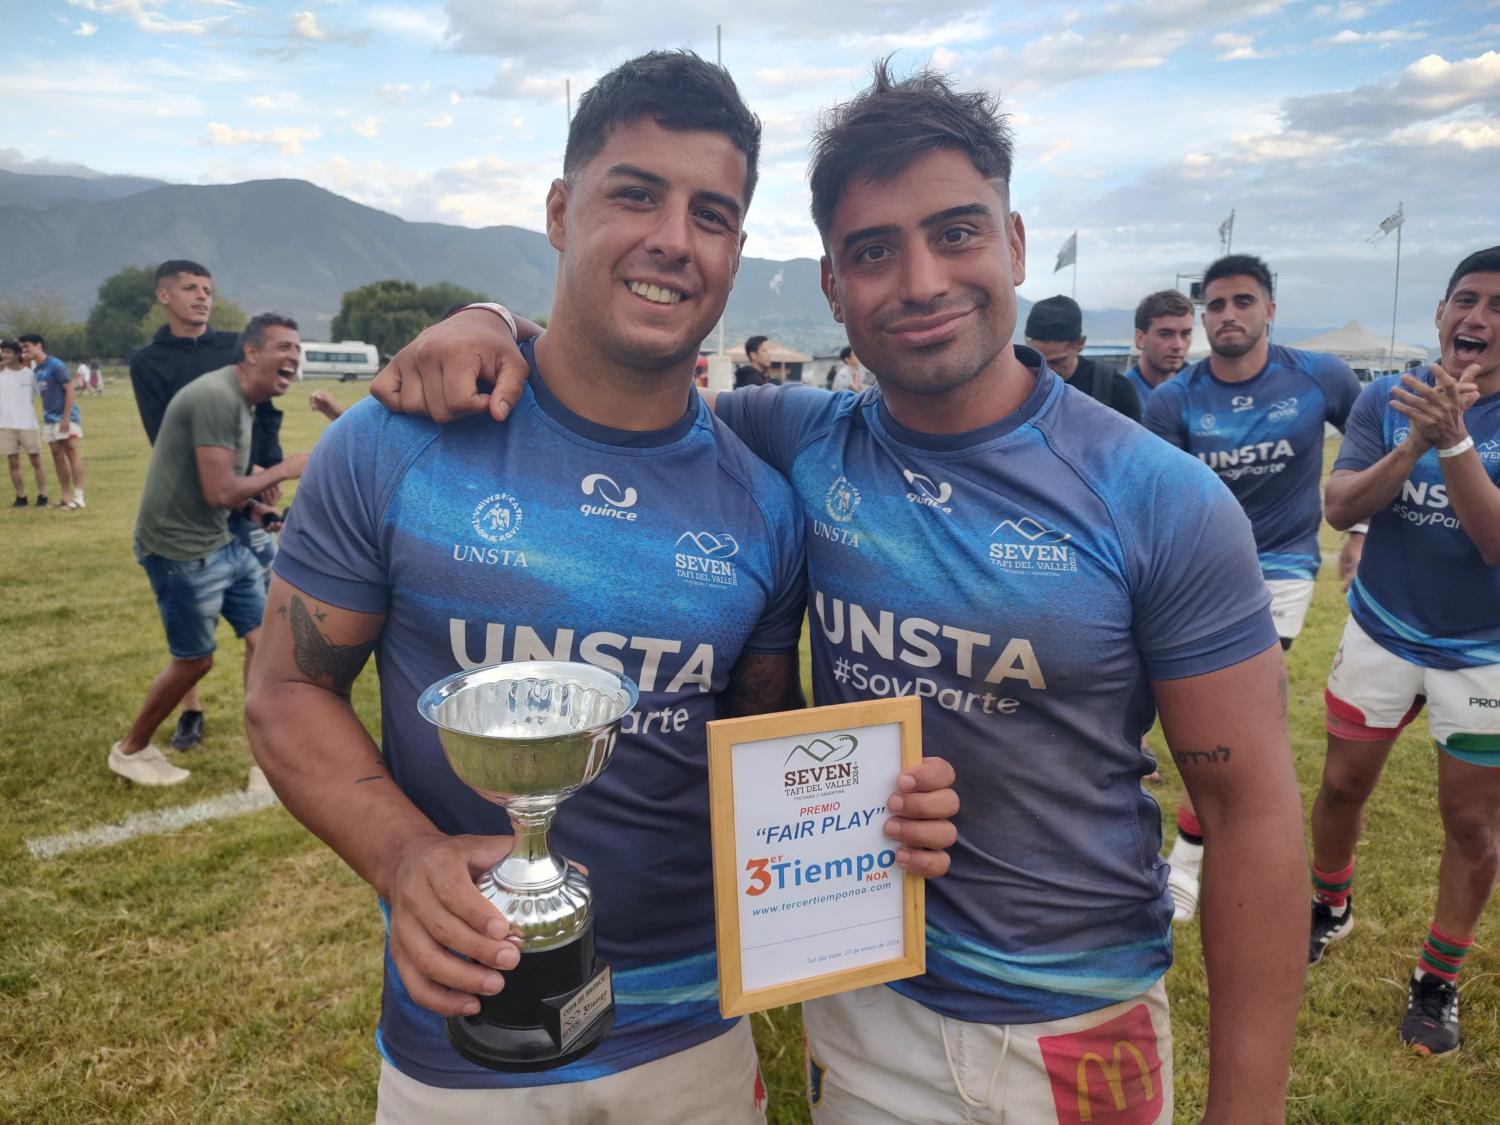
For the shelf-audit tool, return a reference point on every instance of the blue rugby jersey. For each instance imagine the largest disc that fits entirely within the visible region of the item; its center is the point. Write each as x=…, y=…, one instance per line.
x=1264, y=438
x=1143, y=389
x=1027, y=580
x=660, y=555
x=1422, y=590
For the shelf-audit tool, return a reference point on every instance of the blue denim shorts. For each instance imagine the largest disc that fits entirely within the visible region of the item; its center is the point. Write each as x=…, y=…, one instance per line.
x=192, y=596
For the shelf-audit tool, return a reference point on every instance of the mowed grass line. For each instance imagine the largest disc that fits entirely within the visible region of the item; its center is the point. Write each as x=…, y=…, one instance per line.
x=230, y=971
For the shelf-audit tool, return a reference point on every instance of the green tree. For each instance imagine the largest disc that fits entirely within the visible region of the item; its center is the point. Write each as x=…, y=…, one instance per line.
x=389, y=313
x=114, y=325
x=47, y=316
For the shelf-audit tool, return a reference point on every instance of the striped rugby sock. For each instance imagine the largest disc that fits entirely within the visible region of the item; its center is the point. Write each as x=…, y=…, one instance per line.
x=1331, y=888
x=1442, y=955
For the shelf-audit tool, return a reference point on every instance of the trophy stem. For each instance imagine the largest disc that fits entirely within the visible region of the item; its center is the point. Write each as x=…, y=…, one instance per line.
x=532, y=865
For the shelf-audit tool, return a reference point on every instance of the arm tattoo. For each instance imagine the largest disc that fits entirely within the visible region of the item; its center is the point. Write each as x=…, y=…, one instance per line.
x=762, y=682
x=317, y=657
x=1201, y=757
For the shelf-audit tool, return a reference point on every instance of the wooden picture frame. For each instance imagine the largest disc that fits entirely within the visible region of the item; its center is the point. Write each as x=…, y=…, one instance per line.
x=819, y=891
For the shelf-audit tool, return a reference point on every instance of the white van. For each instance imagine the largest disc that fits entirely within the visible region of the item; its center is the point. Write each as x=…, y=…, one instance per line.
x=346, y=361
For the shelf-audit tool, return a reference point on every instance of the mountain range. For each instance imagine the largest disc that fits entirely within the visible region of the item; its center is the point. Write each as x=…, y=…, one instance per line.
x=293, y=247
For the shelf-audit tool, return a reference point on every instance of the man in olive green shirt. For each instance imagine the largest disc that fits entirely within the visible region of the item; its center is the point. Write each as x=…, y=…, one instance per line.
x=199, y=572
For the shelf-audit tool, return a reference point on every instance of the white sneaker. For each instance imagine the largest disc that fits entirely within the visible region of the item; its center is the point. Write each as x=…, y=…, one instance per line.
x=258, y=782
x=1187, y=867
x=145, y=767
x=78, y=499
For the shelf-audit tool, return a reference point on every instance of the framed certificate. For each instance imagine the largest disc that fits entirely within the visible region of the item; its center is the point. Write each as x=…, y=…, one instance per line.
x=807, y=895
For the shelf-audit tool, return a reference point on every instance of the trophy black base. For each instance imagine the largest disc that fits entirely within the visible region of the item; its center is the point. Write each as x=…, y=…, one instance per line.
x=557, y=1005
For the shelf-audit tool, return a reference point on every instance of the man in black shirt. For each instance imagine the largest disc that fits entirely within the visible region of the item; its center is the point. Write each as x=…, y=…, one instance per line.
x=754, y=373
x=182, y=349
x=1055, y=328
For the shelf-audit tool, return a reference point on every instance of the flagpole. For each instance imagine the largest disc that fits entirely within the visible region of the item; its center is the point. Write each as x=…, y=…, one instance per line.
x=1229, y=245
x=1396, y=291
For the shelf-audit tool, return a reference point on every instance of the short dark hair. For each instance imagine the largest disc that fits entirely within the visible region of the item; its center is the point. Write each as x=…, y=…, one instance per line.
x=1481, y=261
x=174, y=266
x=845, y=352
x=254, y=332
x=1241, y=265
x=753, y=344
x=890, y=123
x=10, y=346
x=32, y=338
x=1164, y=302
x=677, y=90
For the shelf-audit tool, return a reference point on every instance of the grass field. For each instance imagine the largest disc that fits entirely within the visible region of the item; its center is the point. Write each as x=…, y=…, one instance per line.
x=229, y=971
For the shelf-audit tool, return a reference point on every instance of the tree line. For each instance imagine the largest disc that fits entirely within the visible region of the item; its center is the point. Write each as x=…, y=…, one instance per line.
x=126, y=314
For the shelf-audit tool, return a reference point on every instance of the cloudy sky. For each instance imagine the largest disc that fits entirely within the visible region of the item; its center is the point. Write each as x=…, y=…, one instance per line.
x=1140, y=123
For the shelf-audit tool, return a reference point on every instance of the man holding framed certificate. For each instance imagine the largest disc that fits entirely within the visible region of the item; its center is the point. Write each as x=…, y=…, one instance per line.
x=1045, y=576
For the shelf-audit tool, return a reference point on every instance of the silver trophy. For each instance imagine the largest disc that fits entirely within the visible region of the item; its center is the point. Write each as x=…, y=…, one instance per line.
x=527, y=735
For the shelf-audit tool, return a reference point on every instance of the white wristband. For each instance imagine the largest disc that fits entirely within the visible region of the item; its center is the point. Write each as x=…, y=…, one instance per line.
x=1359, y=529
x=499, y=310
x=1454, y=450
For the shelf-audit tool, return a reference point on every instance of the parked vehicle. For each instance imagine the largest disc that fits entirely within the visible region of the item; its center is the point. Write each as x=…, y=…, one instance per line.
x=346, y=360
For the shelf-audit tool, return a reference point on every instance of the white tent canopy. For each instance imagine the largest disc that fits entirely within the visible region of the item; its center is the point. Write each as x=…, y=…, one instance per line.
x=1357, y=346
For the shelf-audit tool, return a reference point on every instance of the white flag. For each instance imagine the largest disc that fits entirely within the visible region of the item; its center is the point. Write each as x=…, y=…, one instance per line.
x=1068, y=254
x=1388, y=224
x=778, y=281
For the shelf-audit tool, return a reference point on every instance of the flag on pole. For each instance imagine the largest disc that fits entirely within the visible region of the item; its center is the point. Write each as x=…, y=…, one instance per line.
x=778, y=281
x=1226, y=229
x=1068, y=254
x=1387, y=224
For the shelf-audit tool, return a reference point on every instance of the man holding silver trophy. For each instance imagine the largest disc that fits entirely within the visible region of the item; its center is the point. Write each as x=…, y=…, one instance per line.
x=615, y=523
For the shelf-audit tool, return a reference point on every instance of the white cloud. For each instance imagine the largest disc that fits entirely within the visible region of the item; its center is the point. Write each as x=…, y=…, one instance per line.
x=441, y=121
x=417, y=24
x=369, y=128
x=1349, y=11
x=305, y=24
x=146, y=16
x=281, y=100
x=455, y=98
x=393, y=92
x=85, y=28
x=1387, y=38
x=288, y=139
x=1429, y=88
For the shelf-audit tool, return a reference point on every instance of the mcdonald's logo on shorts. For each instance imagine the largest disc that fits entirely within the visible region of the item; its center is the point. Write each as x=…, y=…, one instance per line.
x=1106, y=1075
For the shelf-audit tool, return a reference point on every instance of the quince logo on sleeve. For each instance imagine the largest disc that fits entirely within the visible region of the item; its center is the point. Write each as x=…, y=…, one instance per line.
x=1029, y=546
x=702, y=556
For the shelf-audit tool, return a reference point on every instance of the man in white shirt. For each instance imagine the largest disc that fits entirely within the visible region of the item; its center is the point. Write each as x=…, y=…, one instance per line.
x=18, y=428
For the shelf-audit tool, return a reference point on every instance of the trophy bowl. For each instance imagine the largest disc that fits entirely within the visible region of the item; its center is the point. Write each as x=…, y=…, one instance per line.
x=526, y=735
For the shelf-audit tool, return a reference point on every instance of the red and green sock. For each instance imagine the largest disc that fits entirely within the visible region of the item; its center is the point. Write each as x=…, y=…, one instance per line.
x=1331, y=888
x=1443, y=955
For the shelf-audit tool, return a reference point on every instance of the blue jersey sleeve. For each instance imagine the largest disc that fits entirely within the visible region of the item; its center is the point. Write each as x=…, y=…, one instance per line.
x=776, y=421
x=1364, y=432
x=332, y=547
x=1200, y=602
x=780, y=626
x=1163, y=414
x=1340, y=386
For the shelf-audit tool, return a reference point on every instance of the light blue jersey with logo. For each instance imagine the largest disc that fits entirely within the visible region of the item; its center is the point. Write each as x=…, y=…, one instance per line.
x=1423, y=591
x=664, y=556
x=1027, y=581
x=1264, y=438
